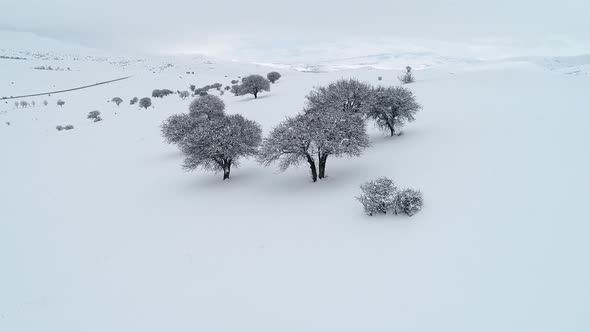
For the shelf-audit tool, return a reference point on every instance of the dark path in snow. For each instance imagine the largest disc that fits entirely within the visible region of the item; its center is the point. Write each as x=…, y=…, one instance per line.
x=67, y=90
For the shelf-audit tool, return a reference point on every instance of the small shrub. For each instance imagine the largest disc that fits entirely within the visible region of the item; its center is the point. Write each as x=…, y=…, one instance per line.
x=227, y=88
x=407, y=77
x=68, y=127
x=45, y=103
x=133, y=101
x=93, y=114
x=380, y=78
x=60, y=103
x=408, y=201
x=378, y=196
x=60, y=128
x=234, y=82
x=157, y=93
x=192, y=87
x=183, y=94
x=24, y=104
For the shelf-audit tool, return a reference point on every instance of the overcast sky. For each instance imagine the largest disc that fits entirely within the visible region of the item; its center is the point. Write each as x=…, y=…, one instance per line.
x=230, y=28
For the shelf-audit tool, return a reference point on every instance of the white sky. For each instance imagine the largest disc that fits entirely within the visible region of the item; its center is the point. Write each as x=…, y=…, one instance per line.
x=232, y=28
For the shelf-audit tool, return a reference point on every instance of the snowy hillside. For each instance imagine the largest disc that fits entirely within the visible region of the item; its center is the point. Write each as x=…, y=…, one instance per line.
x=102, y=230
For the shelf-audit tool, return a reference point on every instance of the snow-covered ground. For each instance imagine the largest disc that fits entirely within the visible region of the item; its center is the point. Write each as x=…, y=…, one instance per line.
x=101, y=230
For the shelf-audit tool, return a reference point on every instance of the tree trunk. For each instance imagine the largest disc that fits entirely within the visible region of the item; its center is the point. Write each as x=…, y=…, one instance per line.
x=226, y=170
x=323, y=160
x=314, y=173
x=255, y=93
x=391, y=129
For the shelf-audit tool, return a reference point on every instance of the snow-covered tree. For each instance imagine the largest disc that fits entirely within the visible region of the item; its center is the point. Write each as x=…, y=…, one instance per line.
x=176, y=127
x=93, y=114
x=408, y=201
x=378, y=196
x=33, y=103
x=61, y=103
x=219, y=143
x=392, y=107
x=16, y=104
x=235, y=89
x=192, y=87
x=24, y=104
x=117, y=100
x=208, y=106
x=407, y=77
x=253, y=84
x=145, y=102
x=273, y=76
x=313, y=137
x=184, y=94
x=347, y=95
x=45, y=103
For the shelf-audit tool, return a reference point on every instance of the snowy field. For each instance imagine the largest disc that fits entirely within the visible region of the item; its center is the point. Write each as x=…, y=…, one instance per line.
x=102, y=230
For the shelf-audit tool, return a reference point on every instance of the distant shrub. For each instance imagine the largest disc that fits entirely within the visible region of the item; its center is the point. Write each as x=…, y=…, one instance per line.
x=216, y=86
x=221, y=92
x=45, y=103
x=133, y=101
x=378, y=196
x=407, y=77
x=408, y=201
x=235, y=89
x=61, y=103
x=60, y=128
x=192, y=87
x=33, y=103
x=380, y=78
x=68, y=127
x=117, y=100
x=16, y=104
x=273, y=76
x=93, y=114
x=235, y=81
x=203, y=93
x=145, y=102
x=227, y=88
x=24, y=104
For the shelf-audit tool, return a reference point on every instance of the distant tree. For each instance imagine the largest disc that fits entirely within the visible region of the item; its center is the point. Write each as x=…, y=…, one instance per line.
x=45, y=103
x=61, y=103
x=235, y=82
x=218, y=144
x=24, y=104
x=208, y=106
x=94, y=115
x=68, y=127
x=408, y=201
x=145, y=102
x=117, y=100
x=378, y=196
x=351, y=96
x=379, y=78
x=227, y=88
x=313, y=137
x=253, y=84
x=235, y=89
x=192, y=87
x=273, y=76
x=133, y=101
x=392, y=107
x=157, y=93
x=184, y=94
x=33, y=103
x=176, y=127
x=59, y=128
x=16, y=104
x=216, y=86
x=407, y=77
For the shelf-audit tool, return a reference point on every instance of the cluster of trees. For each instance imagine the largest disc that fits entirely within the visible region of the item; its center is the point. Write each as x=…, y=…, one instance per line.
x=333, y=123
x=209, y=138
x=381, y=195
x=25, y=104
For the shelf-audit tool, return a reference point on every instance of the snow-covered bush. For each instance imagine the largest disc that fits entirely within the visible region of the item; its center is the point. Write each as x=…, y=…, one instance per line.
x=216, y=86
x=59, y=128
x=184, y=94
x=380, y=78
x=16, y=104
x=192, y=87
x=93, y=114
x=227, y=88
x=392, y=107
x=33, y=103
x=145, y=102
x=24, y=104
x=45, y=103
x=378, y=196
x=176, y=127
x=117, y=100
x=68, y=127
x=253, y=84
x=220, y=143
x=273, y=76
x=61, y=103
x=235, y=82
x=208, y=106
x=408, y=201
x=235, y=89
x=133, y=101
x=407, y=77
